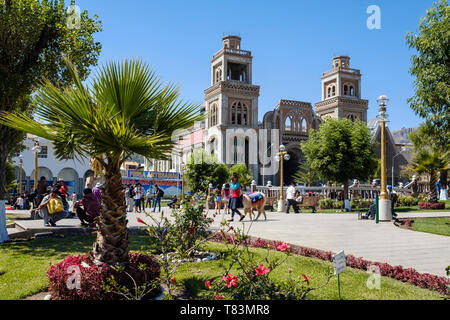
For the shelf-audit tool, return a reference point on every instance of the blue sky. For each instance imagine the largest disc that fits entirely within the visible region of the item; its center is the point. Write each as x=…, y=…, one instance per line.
x=292, y=43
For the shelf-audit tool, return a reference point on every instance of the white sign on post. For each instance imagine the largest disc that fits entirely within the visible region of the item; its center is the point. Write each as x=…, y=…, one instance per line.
x=339, y=262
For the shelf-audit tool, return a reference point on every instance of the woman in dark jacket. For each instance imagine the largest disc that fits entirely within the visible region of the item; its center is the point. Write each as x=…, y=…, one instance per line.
x=90, y=210
x=235, y=197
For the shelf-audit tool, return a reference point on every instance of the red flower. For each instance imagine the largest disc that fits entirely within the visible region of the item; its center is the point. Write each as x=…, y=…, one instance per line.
x=214, y=215
x=141, y=221
x=230, y=280
x=306, y=279
x=173, y=280
x=204, y=215
x=208, y=284
x=219, y=297
x=261, y=270
x=284, y=246
x=191, y=229
x=231, y=228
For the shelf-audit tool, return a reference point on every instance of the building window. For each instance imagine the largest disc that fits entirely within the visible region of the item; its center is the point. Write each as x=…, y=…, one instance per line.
x=44, y=152
x=331, y=89
x=288, y=124
x=235, y=150
x=304, y=127
x=213, y=115
x=239, y=113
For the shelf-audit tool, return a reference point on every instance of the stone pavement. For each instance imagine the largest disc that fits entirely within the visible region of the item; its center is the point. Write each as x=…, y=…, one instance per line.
x=383, y=242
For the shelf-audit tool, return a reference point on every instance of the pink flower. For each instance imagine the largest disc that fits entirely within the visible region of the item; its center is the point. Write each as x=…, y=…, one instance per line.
x=208, y=284
x=219, y=297
x=230, y=280
x=306, y=279
x=284, y=246
x=173, y=280
x=290, y=270
x=231, y=228
x=261, y=270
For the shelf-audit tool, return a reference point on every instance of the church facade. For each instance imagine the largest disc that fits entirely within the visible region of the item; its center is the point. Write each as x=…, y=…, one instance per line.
x=231, y=103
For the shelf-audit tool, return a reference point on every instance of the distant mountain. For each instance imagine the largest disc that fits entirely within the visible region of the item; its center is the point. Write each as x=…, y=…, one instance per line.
x=401, y=135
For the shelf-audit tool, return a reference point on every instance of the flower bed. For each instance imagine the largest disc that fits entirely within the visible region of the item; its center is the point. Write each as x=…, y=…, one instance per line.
x=77, y=278
x=432, y=206
x=422, y=280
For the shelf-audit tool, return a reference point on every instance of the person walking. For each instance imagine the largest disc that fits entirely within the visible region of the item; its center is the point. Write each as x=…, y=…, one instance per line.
x=158, y=194
x=87, y=209
x=290, y=197
x=226, y=198
x=138, y=194
x=235, y=197
x=129, y=194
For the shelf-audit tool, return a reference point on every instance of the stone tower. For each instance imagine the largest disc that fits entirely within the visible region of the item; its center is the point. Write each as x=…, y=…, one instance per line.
x=341, y=92
x=231, y=102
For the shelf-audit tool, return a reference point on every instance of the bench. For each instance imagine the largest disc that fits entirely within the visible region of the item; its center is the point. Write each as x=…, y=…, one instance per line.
x=310, y=201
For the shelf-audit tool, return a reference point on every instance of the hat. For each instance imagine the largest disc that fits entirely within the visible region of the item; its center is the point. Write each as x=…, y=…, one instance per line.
x=98, y=184
x=60, y=179
x=389, y=186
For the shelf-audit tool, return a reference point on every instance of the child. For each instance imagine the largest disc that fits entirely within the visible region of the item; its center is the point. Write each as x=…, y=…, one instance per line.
x=218, y=199
x=226, y=197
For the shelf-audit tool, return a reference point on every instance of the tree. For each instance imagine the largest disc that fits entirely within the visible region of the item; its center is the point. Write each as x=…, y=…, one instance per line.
x=428, y=153
x=245, y=175
x=204, y=169
x=429, y=162
x=34, y=37
x=431, y=69
x=127, y=110
x=341, y=150
x=306, y=174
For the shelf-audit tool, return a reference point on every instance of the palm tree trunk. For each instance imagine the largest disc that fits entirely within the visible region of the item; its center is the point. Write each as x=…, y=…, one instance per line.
x=433, y=195
x=111, y=246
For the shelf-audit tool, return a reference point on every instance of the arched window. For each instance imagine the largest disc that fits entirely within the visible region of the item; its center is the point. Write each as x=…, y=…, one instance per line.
x=329, y=92
x=352, y=91
x=333, y=91
x=288, y=124
x=218, y=75
x=304, y=127
x=239, y=113
x=213, y=115
x=346, y=90
x=213, y=145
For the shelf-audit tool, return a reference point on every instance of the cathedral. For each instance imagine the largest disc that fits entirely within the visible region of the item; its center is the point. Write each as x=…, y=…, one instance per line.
x=233, y=134
x=231, y=103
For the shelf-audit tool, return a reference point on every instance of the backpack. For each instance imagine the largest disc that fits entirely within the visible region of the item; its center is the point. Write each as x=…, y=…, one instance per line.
x=160, y=193
x=132, y=193
x=54, y=206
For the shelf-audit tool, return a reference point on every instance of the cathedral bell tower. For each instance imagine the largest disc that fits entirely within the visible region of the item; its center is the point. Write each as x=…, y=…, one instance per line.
x=341, y=92
x=231, y=100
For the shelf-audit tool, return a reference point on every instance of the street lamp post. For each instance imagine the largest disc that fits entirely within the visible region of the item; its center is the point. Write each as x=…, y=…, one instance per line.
x=37, y=149
x=385, y=212
x=20, y=173
x=281, y=156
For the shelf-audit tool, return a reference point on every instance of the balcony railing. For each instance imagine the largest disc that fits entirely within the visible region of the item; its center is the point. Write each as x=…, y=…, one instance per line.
x=233, y=51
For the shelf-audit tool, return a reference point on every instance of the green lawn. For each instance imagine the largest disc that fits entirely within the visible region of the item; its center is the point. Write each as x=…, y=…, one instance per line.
x=10, y=219
x=23, y=267
x=439, y=226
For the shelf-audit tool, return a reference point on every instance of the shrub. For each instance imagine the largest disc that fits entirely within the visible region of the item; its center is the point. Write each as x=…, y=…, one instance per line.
x=252, y=282
x=423, y=280
x=360, y=204
x=406, y=201
x=431, y=206
x=78, y=278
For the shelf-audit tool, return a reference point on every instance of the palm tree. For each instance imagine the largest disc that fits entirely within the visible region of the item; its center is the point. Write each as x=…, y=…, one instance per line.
x=126, y=111
x=430, y=162
x=305, y=174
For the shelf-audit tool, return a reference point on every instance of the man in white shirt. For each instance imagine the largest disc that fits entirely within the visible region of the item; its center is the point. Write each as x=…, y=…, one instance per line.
x=290, y=197
x=138, y=194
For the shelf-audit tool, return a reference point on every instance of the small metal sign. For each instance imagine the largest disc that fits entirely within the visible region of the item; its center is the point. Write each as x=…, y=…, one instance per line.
x=339, y=262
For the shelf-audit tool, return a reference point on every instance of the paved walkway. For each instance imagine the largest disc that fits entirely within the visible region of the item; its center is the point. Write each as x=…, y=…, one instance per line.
x=383, y=242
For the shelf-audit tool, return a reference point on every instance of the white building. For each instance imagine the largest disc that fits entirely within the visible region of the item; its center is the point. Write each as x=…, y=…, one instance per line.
x=74, y=172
